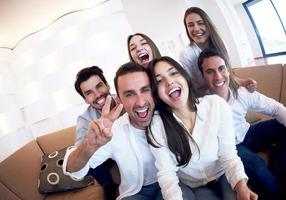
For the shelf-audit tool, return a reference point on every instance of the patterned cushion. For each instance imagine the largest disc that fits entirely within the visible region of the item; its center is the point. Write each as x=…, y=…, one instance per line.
x=52, y=178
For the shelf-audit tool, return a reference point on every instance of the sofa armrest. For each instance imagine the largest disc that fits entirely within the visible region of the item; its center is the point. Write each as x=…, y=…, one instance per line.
x=20, y=171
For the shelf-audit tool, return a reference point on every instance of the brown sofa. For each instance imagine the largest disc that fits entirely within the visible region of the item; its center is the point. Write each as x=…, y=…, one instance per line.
x=271, y=81
x=19, y=172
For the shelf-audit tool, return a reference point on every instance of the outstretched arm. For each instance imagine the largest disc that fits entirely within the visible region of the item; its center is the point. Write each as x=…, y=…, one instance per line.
x=249, y=84
x=98, y=134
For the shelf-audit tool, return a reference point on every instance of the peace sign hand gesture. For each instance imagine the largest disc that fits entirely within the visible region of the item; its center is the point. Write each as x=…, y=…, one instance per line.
x=99, y=130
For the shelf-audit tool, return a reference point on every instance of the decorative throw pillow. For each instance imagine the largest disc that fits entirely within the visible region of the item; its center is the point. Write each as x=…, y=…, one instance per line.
x=52, y=179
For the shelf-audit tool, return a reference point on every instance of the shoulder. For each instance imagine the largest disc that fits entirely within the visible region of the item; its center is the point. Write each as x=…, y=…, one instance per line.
x=89, y=114
x=186, y=51
x=212, y=102
x=121, y=124
x=211, y=99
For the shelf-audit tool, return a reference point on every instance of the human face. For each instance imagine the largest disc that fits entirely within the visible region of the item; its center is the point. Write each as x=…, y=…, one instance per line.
x=197, y=29
x=216, y=74
x=95, y=91
x=172, y=86
x=140, y=50
x=135, y=94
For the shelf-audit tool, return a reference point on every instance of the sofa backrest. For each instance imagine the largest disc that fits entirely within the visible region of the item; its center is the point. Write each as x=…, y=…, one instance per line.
x=57, y=140
x=283, y=92
x=19, y=173
x=269, y=78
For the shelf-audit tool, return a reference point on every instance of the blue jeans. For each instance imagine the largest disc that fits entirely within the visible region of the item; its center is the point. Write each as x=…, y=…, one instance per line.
x=215, y=190
x=102, y=174
x=148, y=192
x=264, y=136
x=153, y=191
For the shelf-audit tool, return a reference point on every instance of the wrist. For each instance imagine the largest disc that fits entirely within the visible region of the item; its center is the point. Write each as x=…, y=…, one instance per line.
x=240, y=185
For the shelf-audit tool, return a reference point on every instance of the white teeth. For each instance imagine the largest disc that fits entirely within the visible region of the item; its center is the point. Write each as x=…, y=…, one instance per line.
x=101, y=100
x=198, y=34
x=142, y=110
x=218, y=84
x=140, y=55
x=173, y=90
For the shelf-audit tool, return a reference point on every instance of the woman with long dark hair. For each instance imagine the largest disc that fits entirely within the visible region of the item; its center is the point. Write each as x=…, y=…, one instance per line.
x=192, y=139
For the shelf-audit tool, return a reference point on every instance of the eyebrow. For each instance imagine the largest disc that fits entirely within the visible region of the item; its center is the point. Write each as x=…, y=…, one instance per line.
x=170, y=69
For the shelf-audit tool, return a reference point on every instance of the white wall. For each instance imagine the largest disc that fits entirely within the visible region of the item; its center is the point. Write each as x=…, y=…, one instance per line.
x=37, y=77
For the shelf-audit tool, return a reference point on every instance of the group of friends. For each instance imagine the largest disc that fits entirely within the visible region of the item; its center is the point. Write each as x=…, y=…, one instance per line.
x=178, y=131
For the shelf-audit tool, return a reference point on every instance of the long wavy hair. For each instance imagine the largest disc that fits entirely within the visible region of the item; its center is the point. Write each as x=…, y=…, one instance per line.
x=214, y=39
x=177, y=136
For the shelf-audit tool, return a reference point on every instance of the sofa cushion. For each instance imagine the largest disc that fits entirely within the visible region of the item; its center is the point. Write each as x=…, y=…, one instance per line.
x=20, y=171
x=52, y=179
x=283, y=89
x=57, y=140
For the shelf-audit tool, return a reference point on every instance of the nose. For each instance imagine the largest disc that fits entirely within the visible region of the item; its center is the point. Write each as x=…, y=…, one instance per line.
x=169, y=81
x=96, y=94
x=218, y=75
x=140, y=100
x=196, y=27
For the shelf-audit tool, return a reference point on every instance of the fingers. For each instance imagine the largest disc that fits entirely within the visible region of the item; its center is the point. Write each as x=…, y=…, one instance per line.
x=106, y=108
x=115, y=112
x=92, y=132
x=104, y=126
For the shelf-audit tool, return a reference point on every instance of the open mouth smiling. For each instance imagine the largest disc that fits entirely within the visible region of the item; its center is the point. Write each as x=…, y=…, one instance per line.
x=175, y=92
x=142, y=113
x=143, y=57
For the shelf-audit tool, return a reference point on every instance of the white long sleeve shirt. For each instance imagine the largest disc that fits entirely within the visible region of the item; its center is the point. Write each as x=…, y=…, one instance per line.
x=214, y=134
x=129, y=149
x=256, y=102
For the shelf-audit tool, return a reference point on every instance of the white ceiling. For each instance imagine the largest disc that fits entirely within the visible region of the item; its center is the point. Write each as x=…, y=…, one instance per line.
x=19, y=18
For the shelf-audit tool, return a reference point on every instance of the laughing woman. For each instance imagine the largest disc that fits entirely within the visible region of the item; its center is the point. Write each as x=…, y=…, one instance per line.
x=193, y=139
x=141, y=49
x=202, y=34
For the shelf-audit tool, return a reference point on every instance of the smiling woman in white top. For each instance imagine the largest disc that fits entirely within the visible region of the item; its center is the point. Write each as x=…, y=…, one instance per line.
x=192, y=139
x=202, y=34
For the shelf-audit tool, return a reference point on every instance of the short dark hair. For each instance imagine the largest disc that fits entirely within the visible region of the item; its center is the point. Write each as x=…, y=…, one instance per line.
x=154, y=48
x=84, y=74
x=126, y=68
x=210, y=52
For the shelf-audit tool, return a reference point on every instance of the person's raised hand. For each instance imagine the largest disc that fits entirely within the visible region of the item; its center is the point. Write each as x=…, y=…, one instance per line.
x=112, y=114
x=99, y=130
x=250, y=85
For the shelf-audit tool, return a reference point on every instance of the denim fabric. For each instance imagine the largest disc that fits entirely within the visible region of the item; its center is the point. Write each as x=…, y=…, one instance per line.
x=148, y=192
x=101, y=173
x=264, y=136
x=215, y=190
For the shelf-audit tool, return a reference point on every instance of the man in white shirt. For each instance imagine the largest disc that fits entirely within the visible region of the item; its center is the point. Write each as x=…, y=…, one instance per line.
x=265, y=136
x=126, y=142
